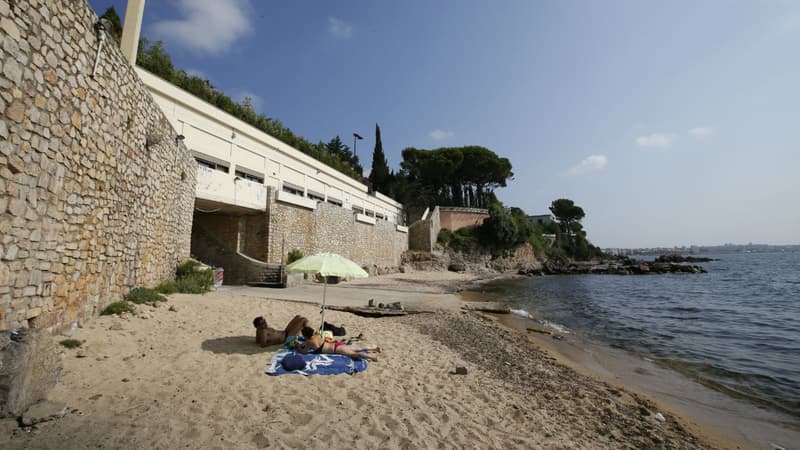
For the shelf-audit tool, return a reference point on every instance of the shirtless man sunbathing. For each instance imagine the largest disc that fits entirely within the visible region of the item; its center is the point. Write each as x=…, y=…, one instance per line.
x=266, y=336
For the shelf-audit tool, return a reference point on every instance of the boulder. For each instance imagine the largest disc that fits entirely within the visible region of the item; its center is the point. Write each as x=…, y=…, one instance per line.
x=44, y=411
x=29, y=368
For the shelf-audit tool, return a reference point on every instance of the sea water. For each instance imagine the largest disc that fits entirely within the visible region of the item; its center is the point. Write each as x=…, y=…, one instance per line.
x=735, y=329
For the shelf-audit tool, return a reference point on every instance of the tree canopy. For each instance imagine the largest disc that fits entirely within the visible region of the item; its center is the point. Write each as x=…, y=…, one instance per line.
x=457, y=176
x=567, y=212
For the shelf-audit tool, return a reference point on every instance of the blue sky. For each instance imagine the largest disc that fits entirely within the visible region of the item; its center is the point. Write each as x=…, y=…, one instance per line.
x=670, y=123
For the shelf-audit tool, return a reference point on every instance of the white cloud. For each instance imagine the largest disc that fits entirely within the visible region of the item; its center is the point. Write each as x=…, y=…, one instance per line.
x=240, y=95
x=339, y=28
x=206, y=26
x=655, y=140
x=591, y=163
x=701, y=132
x=440, y=135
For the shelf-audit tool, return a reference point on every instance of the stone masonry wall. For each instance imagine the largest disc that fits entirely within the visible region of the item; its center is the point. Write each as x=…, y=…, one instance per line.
x=456, y=218
x=96, y=197
x=422, y=234
x=330, y=228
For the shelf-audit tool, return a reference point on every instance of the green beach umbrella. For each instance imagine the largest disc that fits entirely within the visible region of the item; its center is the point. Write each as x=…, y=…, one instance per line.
x=327, y=265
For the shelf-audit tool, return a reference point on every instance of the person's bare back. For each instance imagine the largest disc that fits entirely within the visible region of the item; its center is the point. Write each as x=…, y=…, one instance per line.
x=266, y=336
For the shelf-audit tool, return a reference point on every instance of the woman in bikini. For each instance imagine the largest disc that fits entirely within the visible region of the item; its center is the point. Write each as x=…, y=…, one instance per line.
x=316, y=344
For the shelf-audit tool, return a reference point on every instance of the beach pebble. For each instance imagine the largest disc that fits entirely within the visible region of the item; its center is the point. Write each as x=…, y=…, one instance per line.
x=173, y=308
x=461, y=370
x=660, y=417
x=116, y=326
x=80, y=353
x=125, y=380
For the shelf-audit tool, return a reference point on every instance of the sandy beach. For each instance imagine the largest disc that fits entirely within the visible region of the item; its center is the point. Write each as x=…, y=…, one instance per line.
x=187, y=374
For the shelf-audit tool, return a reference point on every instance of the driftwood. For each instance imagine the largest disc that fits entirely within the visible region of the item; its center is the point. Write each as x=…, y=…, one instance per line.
x=537, y=329
x=367, y=311
x=490, y=307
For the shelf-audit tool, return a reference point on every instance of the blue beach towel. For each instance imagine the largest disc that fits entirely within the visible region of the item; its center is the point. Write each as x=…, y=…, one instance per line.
x=324, y=364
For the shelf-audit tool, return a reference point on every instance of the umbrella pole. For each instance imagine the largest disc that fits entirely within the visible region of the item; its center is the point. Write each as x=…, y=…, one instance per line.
x=324, y=291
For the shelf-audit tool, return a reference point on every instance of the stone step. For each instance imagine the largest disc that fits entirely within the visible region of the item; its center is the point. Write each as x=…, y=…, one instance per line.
x=268, y=284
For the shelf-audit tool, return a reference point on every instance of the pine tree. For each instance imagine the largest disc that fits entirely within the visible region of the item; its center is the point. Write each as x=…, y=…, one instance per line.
x=380, y=168
x=116, y=24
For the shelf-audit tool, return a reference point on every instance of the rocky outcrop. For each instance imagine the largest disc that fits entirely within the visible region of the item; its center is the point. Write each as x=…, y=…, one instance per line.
x=624, y=266
x=29, y=368
x=682, y=259
x=522, y=259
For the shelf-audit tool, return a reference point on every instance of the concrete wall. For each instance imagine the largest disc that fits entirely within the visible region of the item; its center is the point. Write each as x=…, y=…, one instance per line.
x=454, y=218
x=329, y=228
x=95, y=196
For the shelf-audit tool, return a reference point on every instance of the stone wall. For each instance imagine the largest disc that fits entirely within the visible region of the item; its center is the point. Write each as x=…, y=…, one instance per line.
x=330, y=228
x=422, y=234
x=454, y=218
x=96, y=197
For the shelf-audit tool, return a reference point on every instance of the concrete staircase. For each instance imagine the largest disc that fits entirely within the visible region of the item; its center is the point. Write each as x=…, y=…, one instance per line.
x=239, y=268
x=270, y=276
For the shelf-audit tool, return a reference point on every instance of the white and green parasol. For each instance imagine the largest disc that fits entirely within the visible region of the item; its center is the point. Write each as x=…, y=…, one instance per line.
x=327, y=265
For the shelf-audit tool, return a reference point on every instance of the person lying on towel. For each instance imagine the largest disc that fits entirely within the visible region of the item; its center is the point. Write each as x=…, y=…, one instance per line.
x=316, y=344
x=266, y=336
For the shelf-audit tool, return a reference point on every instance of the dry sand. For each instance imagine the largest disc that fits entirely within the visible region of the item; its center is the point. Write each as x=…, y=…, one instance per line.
x=193, y=378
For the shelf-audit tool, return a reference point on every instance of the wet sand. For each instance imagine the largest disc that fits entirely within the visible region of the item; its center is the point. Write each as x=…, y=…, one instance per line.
x=729, y=422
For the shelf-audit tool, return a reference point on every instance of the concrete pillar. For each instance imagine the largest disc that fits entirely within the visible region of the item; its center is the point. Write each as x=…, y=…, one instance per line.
x=131, y=29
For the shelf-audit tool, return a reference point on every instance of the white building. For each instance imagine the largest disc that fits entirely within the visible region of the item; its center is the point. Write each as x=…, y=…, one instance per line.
x=542, y=219
x=238, y=161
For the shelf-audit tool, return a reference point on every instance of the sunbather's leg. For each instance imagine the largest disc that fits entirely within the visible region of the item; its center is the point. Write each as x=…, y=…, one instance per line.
x=373, y=348
x=296, y=325
x=347, y=351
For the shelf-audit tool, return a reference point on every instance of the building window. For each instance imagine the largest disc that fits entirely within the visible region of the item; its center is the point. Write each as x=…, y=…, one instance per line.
x=211, y=165
x=292, y=190
x=316, y=197
x=247, y=176
x=358, y=209
x=333, y=201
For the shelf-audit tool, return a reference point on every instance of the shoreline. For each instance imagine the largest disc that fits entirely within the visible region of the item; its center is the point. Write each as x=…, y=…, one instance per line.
x=195, y=377
x=726, y=421
x=730, y=421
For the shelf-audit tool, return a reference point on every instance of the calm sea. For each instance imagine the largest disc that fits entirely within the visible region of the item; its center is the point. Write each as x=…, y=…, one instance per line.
x=735, y=329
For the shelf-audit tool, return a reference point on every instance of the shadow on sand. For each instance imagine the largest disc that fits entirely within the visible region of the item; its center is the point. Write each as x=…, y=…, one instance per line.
x=235, y=345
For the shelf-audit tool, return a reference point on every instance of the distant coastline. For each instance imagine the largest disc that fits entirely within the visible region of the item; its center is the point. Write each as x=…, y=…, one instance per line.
x=705, y=249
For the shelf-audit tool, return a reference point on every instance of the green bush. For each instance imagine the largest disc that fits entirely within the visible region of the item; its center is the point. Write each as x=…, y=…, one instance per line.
x=444, y=237
x=466, y=240
x=118, y=308
x=192, y=277
x=195, y=283
x=294, y=255
x=167, y=287
x=144, y=295
x=71, y=343
x=187, y=267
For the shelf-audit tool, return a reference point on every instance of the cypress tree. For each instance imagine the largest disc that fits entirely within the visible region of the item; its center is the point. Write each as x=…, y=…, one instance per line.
x=380, y=168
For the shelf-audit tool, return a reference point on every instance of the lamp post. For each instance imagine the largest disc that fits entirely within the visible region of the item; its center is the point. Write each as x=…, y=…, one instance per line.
x=356, y=137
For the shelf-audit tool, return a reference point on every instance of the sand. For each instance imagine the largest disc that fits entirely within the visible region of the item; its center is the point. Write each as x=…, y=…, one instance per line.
x=193, y=378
